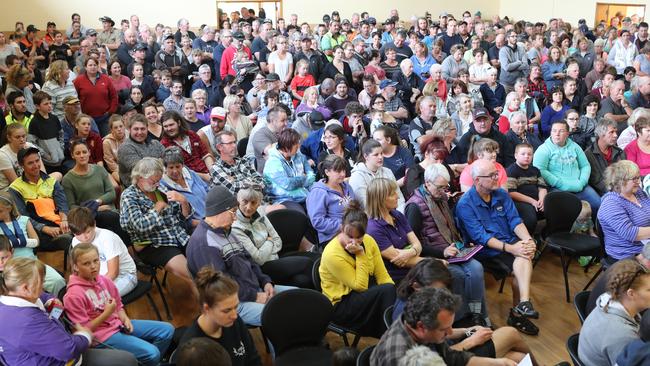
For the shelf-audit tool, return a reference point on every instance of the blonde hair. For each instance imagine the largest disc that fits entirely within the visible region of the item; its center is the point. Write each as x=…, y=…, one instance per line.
x=19, y=271
x=308, y=92
x=377, y=192
x=79, y=250
x=7, y=200
x=299, y=64
x=617, y=173
x=229, y=100
x=17, y=73
x=56, y=70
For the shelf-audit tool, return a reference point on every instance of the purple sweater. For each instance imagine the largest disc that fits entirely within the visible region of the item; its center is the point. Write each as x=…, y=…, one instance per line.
x=326, y=207
x=29, y=337
x=620, y=221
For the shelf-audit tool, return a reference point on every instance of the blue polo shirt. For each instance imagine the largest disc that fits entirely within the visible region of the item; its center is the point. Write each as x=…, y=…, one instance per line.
x=480, y=221
x=387, y=235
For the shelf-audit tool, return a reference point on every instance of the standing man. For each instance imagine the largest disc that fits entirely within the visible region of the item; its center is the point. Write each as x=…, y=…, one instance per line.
x=109, y=36
x=173, y=59
x=229, y=54
x=315, y=58
x=514, y=62
x=126, y=49
x=332, y=39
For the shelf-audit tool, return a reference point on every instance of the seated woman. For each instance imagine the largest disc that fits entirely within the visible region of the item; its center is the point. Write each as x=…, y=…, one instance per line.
x=434, y=151
x=334, y=139
x=554, y=111
x=638, y=150
x=369, y=167
x=236, y=120
x=257, y=235
x=618, y=312
x=623, y=214
x=219, y=321
x=482, y=149
x=93, y=301
x=154, y=126
x=189, y=114
x=329, y=197
x=519, y=134
x=396, y=158
x=111, y=143
x=309, y=103
x=483, y=342
x=156, y=221
x=287, y=173
x=439, y=236
x=29, y=335
x=354, y=278
x=16, y=139
x=91, y=138
x=185, y=181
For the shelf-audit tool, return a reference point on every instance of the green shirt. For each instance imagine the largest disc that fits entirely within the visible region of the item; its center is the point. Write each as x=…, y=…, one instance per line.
x=94, y=185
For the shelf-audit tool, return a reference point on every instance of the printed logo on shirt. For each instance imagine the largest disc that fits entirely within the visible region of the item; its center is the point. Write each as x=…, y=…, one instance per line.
x=241, y=351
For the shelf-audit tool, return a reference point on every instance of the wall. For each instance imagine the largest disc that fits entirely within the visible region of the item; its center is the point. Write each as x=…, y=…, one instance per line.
x=39, y=12
x=568, y=10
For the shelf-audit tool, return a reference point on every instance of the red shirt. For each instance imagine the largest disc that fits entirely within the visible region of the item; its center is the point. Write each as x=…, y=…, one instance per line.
x=300, y=84
x=228, y=56
x=96, y=99
x=197, y=151
x=95, y=146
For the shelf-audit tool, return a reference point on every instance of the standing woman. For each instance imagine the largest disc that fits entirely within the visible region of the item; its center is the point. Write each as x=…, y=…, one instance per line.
x=58, y=86
x=219, y=321
x=422, y=61
x=338, y=66
x=97, y=95
x=280, y=61
x=120, y=82
x=237, y=121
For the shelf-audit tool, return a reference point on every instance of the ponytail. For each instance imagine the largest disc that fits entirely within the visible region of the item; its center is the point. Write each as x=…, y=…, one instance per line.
x=214, y=286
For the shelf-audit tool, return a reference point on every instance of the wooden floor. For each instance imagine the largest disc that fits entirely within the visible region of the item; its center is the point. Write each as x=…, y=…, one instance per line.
x=558, y=318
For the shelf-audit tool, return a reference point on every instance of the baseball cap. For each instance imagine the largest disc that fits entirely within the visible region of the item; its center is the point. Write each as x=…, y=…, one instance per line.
x=372, y=21
x=70, y=99
x=272, y=77
x=169, y=36
x=22, y=153
x=218, y=200
x=316, y=118
x=305, y=37
x=32, y=28
x=238, y=35
x=91, y=32
x=387, y=83
x=345, y=21
x=218, y=112
x=140, y=47
x=480, y=112
x=389, y=21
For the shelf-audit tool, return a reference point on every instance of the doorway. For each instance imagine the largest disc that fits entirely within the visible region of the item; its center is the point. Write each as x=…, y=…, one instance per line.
x=606, y=11
x=273, y=9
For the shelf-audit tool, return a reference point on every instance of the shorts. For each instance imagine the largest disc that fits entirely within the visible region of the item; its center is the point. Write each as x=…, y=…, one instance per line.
x=158, y=257
x=500, y=264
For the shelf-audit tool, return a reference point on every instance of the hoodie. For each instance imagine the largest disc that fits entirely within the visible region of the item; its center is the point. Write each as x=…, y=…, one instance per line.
x=287, y=180
x=326, y=207
x=85, y=300
x=565, y=168
x=258, y=236
x=361, y=178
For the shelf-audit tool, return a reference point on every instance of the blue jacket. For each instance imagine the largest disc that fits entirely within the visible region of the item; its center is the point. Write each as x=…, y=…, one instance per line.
x=195, y=193
x=287, y=180
x=312, y=146
x=325, y=207
x=212, y=91
x=493, y=99
x=548, y=69
x=563, y=167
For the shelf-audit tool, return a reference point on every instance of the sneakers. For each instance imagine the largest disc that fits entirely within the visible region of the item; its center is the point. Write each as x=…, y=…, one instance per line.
x=525, y=309
x=521, y=323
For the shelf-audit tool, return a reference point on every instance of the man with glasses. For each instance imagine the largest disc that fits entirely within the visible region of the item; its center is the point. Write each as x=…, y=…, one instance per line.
x=514, y=62
x=482, y=127
x=231, y=171
x=488, y=217
x=205, y=82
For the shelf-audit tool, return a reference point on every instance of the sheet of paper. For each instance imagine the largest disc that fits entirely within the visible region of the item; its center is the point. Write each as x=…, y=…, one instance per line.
x=526, y=361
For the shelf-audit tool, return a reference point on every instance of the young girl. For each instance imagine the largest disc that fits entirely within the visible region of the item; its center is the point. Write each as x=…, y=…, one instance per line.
x=91, y=138
x=93, y=301
x=16, y=139
x=300, y=82
x=112, y=143
x=23, y=239
x=145, y=82
x=484, y=149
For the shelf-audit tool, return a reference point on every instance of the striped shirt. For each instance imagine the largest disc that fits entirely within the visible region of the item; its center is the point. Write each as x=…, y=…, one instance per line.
x=620, y=220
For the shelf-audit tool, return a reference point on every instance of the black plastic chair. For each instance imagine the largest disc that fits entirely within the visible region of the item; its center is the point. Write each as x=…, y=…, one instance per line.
x=572, y=347
x=333, y=327
x=295, y=321
x=580, y=303
x=364, y=357
x=388, y=316
x=143, y=288
x=152, y=272
x=291, y=225
x=241, y=147
x=561, y=210
x=605, y=260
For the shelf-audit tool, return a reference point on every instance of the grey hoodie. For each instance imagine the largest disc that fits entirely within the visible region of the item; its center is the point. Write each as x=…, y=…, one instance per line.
x=361, y=178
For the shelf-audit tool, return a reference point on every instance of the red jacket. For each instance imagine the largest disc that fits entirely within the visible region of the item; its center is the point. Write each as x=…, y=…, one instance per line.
x=95, y=147
x=228, y=56
x=96, y=99
x=194, y=160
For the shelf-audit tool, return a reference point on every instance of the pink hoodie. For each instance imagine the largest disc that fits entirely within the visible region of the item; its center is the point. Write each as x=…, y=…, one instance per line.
x=84, y=301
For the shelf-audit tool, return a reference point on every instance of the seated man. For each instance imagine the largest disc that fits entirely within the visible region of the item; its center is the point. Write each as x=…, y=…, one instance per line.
x=488, y=217
x=136, y=147
x=482, y=126
x=615, y=106
x=195, y=153
x=337, y=102
x=602, y=153
x=427, y=320
x=212, y=244
x=40, y=197
x=266, y=137
x=230, y=170
x=564, y=166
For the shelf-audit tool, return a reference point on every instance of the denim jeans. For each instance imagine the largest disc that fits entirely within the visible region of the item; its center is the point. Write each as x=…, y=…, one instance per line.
x=467, y=281
x=590, y=195
x=148, y=342
x=251, y=312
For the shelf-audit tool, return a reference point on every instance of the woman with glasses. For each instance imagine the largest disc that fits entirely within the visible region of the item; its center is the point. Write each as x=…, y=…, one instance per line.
x=200, y=98
x=615, y=321
x=623, y=214
x=429, y=207
x=259, y=86
x=235, y=120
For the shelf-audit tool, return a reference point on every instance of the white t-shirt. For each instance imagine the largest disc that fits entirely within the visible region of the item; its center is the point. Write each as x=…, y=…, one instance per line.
x=281, y=66
x=9, y=160
x=110, y=246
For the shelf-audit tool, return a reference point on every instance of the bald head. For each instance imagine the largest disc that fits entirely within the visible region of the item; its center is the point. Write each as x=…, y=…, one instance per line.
x=482, y=167
x=130, y=37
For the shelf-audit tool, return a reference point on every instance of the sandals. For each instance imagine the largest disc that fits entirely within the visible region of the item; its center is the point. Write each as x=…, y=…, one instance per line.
x=522, y=324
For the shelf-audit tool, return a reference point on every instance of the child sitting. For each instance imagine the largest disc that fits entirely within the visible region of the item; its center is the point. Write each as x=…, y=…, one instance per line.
x=164, y=90
x=45, y=131
x=93, y=140
x=300, y=82
x=115, y=261
x=93, y=301
x=19, y=239
x=526, y=187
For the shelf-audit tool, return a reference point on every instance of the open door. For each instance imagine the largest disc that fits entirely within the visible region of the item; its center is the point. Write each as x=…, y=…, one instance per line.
x=607, y=11
x=273, y=9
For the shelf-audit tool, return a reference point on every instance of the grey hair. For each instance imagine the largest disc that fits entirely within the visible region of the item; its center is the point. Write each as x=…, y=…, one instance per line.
x=204, y=67
x=617, y=173
x=639, y=112
x=421, y=356
x=425, y=305
x=146, y=168
x=476, y=170
x=196, y=92
x=433, y=171
x=603, y=125
x=512, y=95
x=181, y=21
x=218, y=140
x=521, y=81
x=207, y=29
x=462, y=96
x=172, y=155
x=428, y=98
x=518, y=113
x=249, y=194
x=436, y=67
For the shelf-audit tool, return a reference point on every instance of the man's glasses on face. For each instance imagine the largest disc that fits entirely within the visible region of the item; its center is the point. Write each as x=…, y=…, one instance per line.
x=494, y=176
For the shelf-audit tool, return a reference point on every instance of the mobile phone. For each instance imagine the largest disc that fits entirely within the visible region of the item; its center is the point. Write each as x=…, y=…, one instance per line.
x=56, y=312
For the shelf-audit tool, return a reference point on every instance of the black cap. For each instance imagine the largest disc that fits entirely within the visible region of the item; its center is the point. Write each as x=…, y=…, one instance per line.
x=305, y=37
x=316, y=117
x=107, y=19
x=169, y=36
x=51, y=23
x=32, y=28
x=335, y=12
x=326, y=18
x=272, y=77
x=140, y=47
x=480, y=112
x=372, y=21
x=238, y=36
x=91, y=32
x=22, y=153
x=127, y=107
x=219, y=199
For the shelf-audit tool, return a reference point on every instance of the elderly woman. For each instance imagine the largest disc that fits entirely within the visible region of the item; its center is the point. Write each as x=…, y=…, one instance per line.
x=97, y=94
x=494, y=94
x=629, y=133
x=258, y=237
x=179, y=178
x=453, y=63
x=434, y=151
x=200, y=98
x=422, y=61
x=638, y=150
x=287, y=174
x=519, y=133
x=463, y=117
x=235, y=120
x=429, y=207
x=623, y=216
x=156, y=221
x=409, y=85
x=18, y=78
x=58, y=86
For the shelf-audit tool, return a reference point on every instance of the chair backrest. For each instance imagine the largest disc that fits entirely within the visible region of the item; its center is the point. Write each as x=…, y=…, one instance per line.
x=291, y=225
x=572, y=347
x=241, y=147
x=561, y=210
x=296, y=318
x=580, y=303
x=315, y=275
x=414, y=218
x=364, y=357
x=388, y=316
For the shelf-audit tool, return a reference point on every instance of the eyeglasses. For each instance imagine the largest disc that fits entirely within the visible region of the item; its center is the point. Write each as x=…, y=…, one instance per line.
x=228, y=143
x=493, y=176
x=442, y=188
x=636, y=179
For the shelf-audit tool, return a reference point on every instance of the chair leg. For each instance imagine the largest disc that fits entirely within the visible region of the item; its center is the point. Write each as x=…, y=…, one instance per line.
x=541, y=252
x=565, y=269
x=503, y=282
x=153, y=305
x=164, y=282
x=345, y=339
x=355, y=340
x=154, y=279
x=593, y=278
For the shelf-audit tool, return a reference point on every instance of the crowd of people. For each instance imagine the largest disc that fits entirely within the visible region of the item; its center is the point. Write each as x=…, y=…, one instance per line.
x=403, y=143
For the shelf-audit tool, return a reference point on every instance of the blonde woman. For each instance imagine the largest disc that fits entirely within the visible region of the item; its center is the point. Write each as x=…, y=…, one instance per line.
x=237, y=121
x=58, y=86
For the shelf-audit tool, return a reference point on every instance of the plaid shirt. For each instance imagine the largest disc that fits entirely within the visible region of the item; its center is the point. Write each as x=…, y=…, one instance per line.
x=540, y=87
x=396, y=341
x=237, y=176
x=146, y=226
x=283, y=98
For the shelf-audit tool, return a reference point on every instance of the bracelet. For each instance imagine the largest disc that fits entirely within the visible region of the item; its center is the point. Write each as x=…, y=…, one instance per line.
x=415, y=251
x=503, y=247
